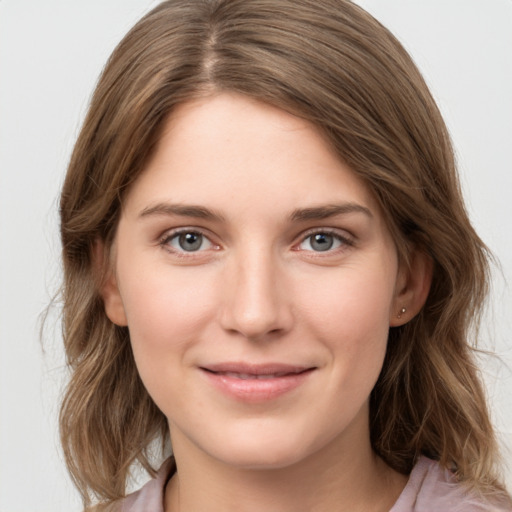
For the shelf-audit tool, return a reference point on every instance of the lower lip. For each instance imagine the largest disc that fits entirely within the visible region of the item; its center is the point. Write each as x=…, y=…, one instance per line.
x=257, y=390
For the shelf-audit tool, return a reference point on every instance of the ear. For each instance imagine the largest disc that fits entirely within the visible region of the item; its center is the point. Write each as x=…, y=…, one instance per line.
x=107, y=287
x=412, y=288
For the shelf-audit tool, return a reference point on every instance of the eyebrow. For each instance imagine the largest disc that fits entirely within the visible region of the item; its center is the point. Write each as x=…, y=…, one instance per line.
x=300, y=214
x=193, y=211
x=324, y=212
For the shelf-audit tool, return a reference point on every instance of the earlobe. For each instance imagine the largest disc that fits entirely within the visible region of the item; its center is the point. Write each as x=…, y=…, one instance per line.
x=114, y=307
x=413, y=286
x=107, y=287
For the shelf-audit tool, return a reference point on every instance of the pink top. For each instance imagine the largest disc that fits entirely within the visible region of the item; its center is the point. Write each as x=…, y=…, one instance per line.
x=430, y=489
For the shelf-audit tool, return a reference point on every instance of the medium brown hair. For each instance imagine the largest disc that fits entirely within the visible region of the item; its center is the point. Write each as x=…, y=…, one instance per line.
x=332, y=64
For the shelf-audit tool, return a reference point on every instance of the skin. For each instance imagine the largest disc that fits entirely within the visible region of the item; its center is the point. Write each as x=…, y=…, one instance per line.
x=258, y=290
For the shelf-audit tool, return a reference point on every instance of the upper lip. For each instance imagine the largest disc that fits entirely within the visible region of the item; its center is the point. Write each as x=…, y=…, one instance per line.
x=256, y=369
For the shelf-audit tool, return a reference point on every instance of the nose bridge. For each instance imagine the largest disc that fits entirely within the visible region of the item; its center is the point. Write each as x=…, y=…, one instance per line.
x=257, y=303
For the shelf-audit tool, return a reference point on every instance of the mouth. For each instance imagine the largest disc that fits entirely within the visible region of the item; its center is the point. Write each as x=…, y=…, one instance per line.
x=246, y=371
x=258, y=376
x=256, y=383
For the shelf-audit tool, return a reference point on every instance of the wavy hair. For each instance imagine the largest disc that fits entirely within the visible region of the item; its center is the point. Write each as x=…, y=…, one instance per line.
x=332, y=64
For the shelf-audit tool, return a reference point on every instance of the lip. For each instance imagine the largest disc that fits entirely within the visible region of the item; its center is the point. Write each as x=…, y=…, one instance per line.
x=256, y=383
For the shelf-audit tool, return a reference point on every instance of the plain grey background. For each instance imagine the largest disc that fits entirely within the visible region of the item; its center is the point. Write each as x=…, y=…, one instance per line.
x=51, y=54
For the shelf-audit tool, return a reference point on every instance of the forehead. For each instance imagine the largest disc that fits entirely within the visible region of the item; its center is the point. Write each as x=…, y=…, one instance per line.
x=231, y=151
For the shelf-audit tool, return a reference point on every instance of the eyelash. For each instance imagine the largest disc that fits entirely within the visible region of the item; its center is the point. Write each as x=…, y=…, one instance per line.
x=345, y=241
x=169, y=236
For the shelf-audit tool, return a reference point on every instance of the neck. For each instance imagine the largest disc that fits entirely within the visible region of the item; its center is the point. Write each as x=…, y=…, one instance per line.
x=344, y=475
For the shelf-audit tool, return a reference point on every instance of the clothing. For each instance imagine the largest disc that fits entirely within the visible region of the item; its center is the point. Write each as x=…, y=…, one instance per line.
x=430, y=489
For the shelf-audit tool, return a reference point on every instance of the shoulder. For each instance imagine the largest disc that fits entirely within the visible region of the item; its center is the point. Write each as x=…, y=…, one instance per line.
x=431, y=487
x=151, y=495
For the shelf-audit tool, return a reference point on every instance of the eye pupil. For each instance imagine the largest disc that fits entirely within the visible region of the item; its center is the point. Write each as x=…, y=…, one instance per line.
x=322, y=242
x=190, y=241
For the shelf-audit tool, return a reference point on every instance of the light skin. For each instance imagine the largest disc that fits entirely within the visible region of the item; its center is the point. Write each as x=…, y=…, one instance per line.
x=247, y=247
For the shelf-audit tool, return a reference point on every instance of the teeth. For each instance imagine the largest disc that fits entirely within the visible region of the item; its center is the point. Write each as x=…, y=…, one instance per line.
x=247, y=376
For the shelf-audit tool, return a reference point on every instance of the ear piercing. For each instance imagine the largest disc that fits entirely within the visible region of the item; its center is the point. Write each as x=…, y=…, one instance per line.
x=402, y=311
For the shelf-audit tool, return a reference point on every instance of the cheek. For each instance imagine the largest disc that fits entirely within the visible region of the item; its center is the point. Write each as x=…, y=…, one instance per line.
x=350, y=299
x=166, y=309
x=349, y=312
x=167, y=312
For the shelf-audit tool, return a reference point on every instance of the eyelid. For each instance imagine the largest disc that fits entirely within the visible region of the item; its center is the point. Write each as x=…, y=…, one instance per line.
x=346, y=239
x=169, y=234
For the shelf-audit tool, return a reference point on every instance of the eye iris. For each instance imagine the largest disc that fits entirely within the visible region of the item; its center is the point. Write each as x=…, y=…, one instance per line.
x=190, y=241
x=322, y=242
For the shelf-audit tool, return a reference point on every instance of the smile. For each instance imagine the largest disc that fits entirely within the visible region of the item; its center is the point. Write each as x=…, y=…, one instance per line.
x=256, y=383
x=246, y=376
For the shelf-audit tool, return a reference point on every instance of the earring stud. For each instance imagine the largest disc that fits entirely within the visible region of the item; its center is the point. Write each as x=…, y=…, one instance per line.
x=402, y=311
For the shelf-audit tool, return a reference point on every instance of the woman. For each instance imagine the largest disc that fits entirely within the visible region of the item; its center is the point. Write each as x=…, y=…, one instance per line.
x=268, y=261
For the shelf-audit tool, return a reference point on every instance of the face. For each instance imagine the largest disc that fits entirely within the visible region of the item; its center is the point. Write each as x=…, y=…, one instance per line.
x=258, y=282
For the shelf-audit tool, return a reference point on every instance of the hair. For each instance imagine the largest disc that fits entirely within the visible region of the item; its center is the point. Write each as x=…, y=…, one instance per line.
x=330, y=63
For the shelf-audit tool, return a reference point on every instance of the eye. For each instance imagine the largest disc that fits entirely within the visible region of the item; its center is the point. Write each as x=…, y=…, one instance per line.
x=187, y=241
x=323, y=241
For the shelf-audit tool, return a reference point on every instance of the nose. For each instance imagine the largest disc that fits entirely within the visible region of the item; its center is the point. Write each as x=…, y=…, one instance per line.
x=257, y=302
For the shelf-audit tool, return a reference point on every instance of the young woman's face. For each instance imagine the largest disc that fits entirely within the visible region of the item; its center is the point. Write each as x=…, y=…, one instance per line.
x=258, y=281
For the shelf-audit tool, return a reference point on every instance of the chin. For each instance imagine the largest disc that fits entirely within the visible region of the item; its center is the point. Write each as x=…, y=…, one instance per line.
x=264, y=450
x=261, y=459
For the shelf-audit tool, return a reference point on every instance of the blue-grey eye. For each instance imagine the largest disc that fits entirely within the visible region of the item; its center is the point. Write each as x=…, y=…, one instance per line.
x=189, y=241
x=321, y=242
